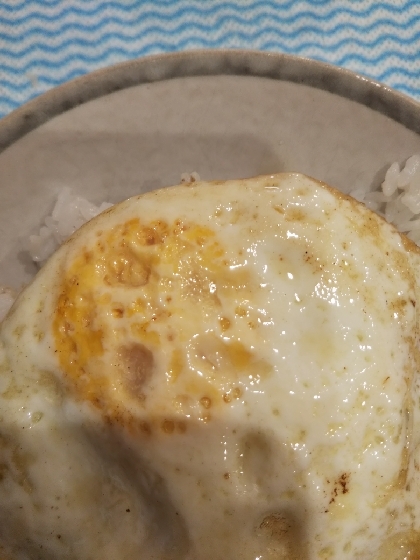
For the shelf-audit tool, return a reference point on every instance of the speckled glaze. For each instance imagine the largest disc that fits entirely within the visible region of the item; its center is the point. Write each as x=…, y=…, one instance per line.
x=225, y=114
x=210, y=63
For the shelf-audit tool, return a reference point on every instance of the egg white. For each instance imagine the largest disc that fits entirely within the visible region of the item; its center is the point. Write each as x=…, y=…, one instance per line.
x=216, y=370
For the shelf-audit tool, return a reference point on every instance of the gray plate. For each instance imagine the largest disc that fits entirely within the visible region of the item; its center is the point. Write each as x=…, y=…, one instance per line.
x=139, y=125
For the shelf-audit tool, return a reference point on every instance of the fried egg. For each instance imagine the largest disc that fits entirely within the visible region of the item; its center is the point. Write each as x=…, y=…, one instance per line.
x=223, y=370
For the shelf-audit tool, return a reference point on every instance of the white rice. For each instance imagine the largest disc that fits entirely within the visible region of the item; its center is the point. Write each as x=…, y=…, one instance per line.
x=188, y=178
x=397, y=200
x=7, y=297
x=69, y=213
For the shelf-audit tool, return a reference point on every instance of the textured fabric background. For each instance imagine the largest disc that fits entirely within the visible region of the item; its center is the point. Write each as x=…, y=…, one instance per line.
x=46, y=42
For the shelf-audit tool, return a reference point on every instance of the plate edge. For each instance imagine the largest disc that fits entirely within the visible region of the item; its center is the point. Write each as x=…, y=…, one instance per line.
x=239, y=62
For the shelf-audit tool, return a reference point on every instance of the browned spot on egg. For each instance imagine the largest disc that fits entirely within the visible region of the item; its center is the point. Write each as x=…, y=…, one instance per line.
x=152, y=235
x=128, y=269
x=401, y=479
x=398, y=306
x=295, y=215
x=241, y=311
x=168, y=426
x=282, y=533
x=118, y=312
x=343, y=481
x=138, y=364
x=181, y=427
x=19, y=330
x=39, y=335
x=18, y=465
x=276, y=525
x=224, y=324
x=226, y=476
x=341, y=486
x=205, y=402
x=145, y=428
x=179, y=227
x=235, y=393
x=135, y=426
x=87, y=256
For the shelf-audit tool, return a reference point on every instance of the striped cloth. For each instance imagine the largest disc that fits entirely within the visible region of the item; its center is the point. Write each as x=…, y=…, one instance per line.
x=46, y=42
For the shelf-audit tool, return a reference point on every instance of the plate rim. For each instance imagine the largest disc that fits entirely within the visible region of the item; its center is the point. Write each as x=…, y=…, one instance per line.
x=209, y=62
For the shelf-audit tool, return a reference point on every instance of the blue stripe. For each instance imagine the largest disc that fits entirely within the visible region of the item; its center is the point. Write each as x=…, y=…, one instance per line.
x=88, y=59
x=409, y=90
x=185, y=26
x=397, y=70
x=66, y=11
x=354, y=57
x=192, y=41
x=224, y=37
x=276, y=45
x=56, y=40
x=10, y=103
x=25, y=4
x=201, y=9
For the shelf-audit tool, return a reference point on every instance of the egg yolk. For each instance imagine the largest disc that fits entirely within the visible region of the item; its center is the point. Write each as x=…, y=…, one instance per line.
x=145, y=307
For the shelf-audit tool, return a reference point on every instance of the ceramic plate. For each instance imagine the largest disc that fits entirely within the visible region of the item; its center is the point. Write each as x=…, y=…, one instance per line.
x=224, y=114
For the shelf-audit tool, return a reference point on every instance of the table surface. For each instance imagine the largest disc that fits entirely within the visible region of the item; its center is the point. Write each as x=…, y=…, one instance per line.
x=44, y=43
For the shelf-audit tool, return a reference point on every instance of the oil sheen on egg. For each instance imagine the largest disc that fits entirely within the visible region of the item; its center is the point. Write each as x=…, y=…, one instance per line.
x=216, y=371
